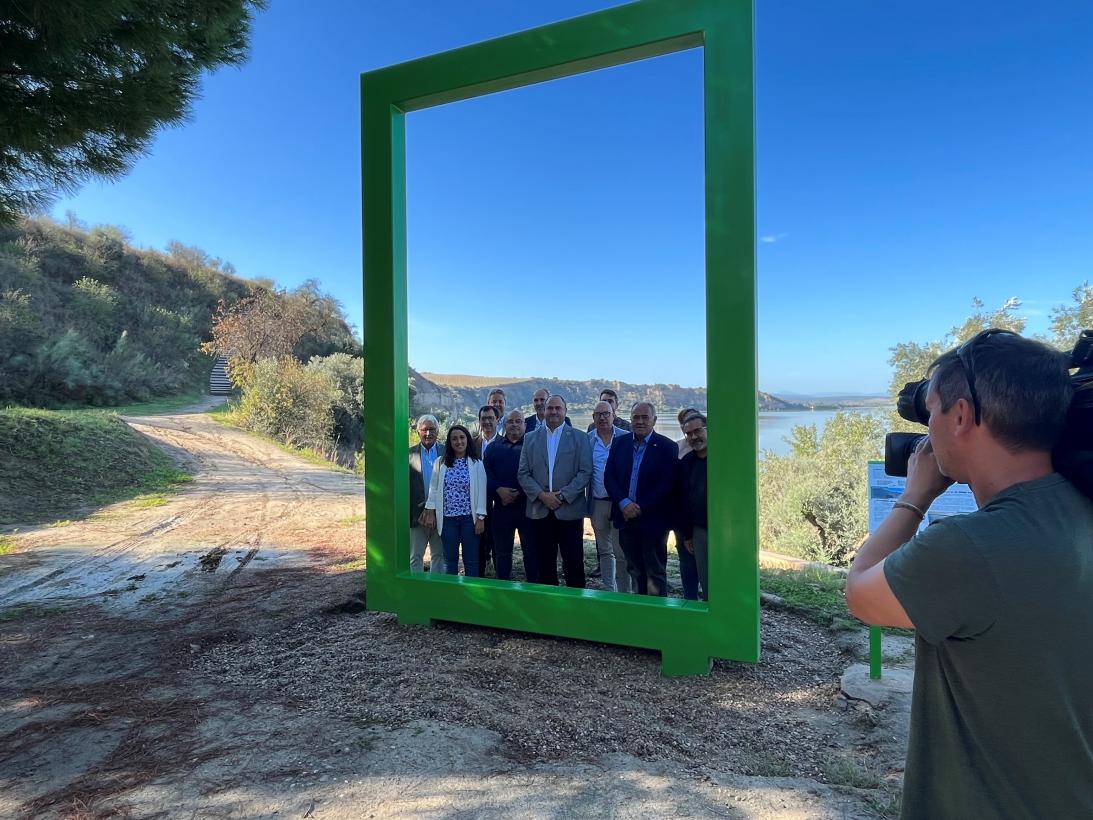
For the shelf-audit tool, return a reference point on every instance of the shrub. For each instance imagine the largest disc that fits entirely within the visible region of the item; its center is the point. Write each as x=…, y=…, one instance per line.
x=813, y=503
x=291, y=403
x=347, y=374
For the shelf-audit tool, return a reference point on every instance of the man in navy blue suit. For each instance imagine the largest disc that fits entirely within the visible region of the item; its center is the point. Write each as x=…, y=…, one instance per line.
x=639, y=478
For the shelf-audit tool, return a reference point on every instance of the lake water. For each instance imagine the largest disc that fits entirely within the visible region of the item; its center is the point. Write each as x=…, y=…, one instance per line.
x=774, y=426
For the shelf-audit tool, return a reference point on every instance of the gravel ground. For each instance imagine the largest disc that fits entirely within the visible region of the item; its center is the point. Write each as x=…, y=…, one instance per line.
x=555, y=699
x=211, y=658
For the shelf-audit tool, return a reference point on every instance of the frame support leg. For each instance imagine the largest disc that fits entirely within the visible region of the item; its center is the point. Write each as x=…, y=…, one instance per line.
x=676, y=662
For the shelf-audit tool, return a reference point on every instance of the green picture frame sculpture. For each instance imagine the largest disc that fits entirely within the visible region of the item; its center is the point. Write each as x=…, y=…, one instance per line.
x=688, y=634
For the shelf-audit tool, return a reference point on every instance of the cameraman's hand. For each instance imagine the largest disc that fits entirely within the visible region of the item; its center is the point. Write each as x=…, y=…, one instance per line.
x=925, y=481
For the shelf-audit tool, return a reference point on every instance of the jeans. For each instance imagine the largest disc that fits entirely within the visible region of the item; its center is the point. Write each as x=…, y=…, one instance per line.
x=421, y=537
x=608, y=548
x=688, y=570
x=646, y=555
x=460, y=529
x=505, y=521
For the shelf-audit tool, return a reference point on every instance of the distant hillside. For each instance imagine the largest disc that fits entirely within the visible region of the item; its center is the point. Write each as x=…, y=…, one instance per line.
x=460, y=380
x=86, y=317
x=462, y=394
x=834, y=397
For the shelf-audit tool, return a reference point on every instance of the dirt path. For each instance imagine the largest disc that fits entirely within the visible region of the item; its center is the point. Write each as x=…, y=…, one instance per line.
x=211, y=658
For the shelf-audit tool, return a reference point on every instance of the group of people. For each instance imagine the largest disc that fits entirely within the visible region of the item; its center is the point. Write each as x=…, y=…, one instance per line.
x=540, y=477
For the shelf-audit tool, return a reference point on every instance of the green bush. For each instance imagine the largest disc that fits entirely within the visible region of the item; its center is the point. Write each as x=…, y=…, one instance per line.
x=347, y=374
x=291, y=403
x=813, y=503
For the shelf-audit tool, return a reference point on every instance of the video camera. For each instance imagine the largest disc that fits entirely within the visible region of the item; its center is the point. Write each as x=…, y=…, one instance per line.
x=1073, y=457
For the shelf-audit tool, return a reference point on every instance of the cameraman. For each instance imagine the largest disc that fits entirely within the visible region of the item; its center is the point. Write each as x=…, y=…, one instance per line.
x=1001, y=599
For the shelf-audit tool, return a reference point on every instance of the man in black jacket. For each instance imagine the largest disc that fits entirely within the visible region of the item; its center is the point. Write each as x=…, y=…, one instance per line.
x=507, y=501
x=692, y=499
x=640, y=479
x=423, y=458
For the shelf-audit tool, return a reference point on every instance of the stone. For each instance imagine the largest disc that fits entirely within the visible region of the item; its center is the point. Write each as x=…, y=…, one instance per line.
x=894, y=684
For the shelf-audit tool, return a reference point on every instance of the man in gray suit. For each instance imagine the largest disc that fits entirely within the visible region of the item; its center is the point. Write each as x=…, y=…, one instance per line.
x=423, y=458
x=555, y=468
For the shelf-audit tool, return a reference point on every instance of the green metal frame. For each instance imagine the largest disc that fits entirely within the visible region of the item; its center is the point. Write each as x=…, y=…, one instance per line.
x=688, y=634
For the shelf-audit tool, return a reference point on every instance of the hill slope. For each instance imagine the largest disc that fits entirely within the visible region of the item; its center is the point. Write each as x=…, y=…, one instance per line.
x=86, y=317
x=56, y=462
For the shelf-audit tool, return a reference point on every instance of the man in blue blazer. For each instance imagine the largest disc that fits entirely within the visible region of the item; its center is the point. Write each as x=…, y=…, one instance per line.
x=640, y=478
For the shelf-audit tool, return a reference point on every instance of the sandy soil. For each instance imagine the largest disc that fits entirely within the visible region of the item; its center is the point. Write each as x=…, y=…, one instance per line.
x=212, y=658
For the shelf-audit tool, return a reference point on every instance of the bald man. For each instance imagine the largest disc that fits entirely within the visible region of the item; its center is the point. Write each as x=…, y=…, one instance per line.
x=555, y=468
x=508, y=503
x=640, y=479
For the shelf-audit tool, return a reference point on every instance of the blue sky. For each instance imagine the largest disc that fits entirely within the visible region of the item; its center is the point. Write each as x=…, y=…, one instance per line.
x=910, y=157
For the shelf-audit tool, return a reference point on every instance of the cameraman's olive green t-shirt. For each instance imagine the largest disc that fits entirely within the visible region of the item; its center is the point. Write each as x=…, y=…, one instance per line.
x=1002, y=710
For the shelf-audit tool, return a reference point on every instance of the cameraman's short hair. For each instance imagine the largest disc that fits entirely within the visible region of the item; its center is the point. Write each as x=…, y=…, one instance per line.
x=608, y=391
x=497, y=391
x=427, y=417
x=493, y=410
x=1023, y=386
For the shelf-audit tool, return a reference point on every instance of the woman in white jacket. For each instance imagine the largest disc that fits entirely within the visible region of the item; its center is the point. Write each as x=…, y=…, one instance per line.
x=457, y=501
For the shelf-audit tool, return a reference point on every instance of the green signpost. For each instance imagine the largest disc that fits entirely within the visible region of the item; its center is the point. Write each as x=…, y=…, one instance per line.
x=688, y=634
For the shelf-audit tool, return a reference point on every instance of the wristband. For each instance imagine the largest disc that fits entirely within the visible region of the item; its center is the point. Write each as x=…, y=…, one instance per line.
x=907, y=505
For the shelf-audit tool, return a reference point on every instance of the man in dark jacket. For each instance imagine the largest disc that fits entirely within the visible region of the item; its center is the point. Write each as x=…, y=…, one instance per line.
x=488, y=421
x=423, y=457
x=538, y=418
x=691, y=488
x=640, y=479
x=507, y=501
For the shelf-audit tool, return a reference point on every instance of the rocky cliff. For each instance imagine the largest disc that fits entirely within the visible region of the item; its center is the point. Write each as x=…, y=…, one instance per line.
x=462, y=395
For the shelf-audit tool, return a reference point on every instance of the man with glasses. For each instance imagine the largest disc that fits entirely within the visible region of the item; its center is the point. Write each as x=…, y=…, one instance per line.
x=688, y=566
x=508, y=513
x=487, y=435
x=692, y=534
x=611, y=397
x=612, y=560
x=1001, y=599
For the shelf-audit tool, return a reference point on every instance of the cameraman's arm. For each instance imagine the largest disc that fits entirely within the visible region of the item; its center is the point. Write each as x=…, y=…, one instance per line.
x=868, y=594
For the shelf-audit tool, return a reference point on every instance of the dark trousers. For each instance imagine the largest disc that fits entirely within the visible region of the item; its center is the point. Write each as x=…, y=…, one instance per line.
x=505, y=521
x=688, y=569
x=485, y=549
x=553, y=536
x=646, y=557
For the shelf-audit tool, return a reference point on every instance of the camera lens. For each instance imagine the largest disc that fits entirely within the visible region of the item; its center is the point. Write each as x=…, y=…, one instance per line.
x=911, y=402
x=898, y=448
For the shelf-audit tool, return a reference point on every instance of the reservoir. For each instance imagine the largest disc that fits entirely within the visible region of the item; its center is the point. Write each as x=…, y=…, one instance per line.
x=774, y=425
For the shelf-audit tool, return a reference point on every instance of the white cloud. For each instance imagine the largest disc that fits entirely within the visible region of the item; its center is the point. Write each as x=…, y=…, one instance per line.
x=771, y=238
